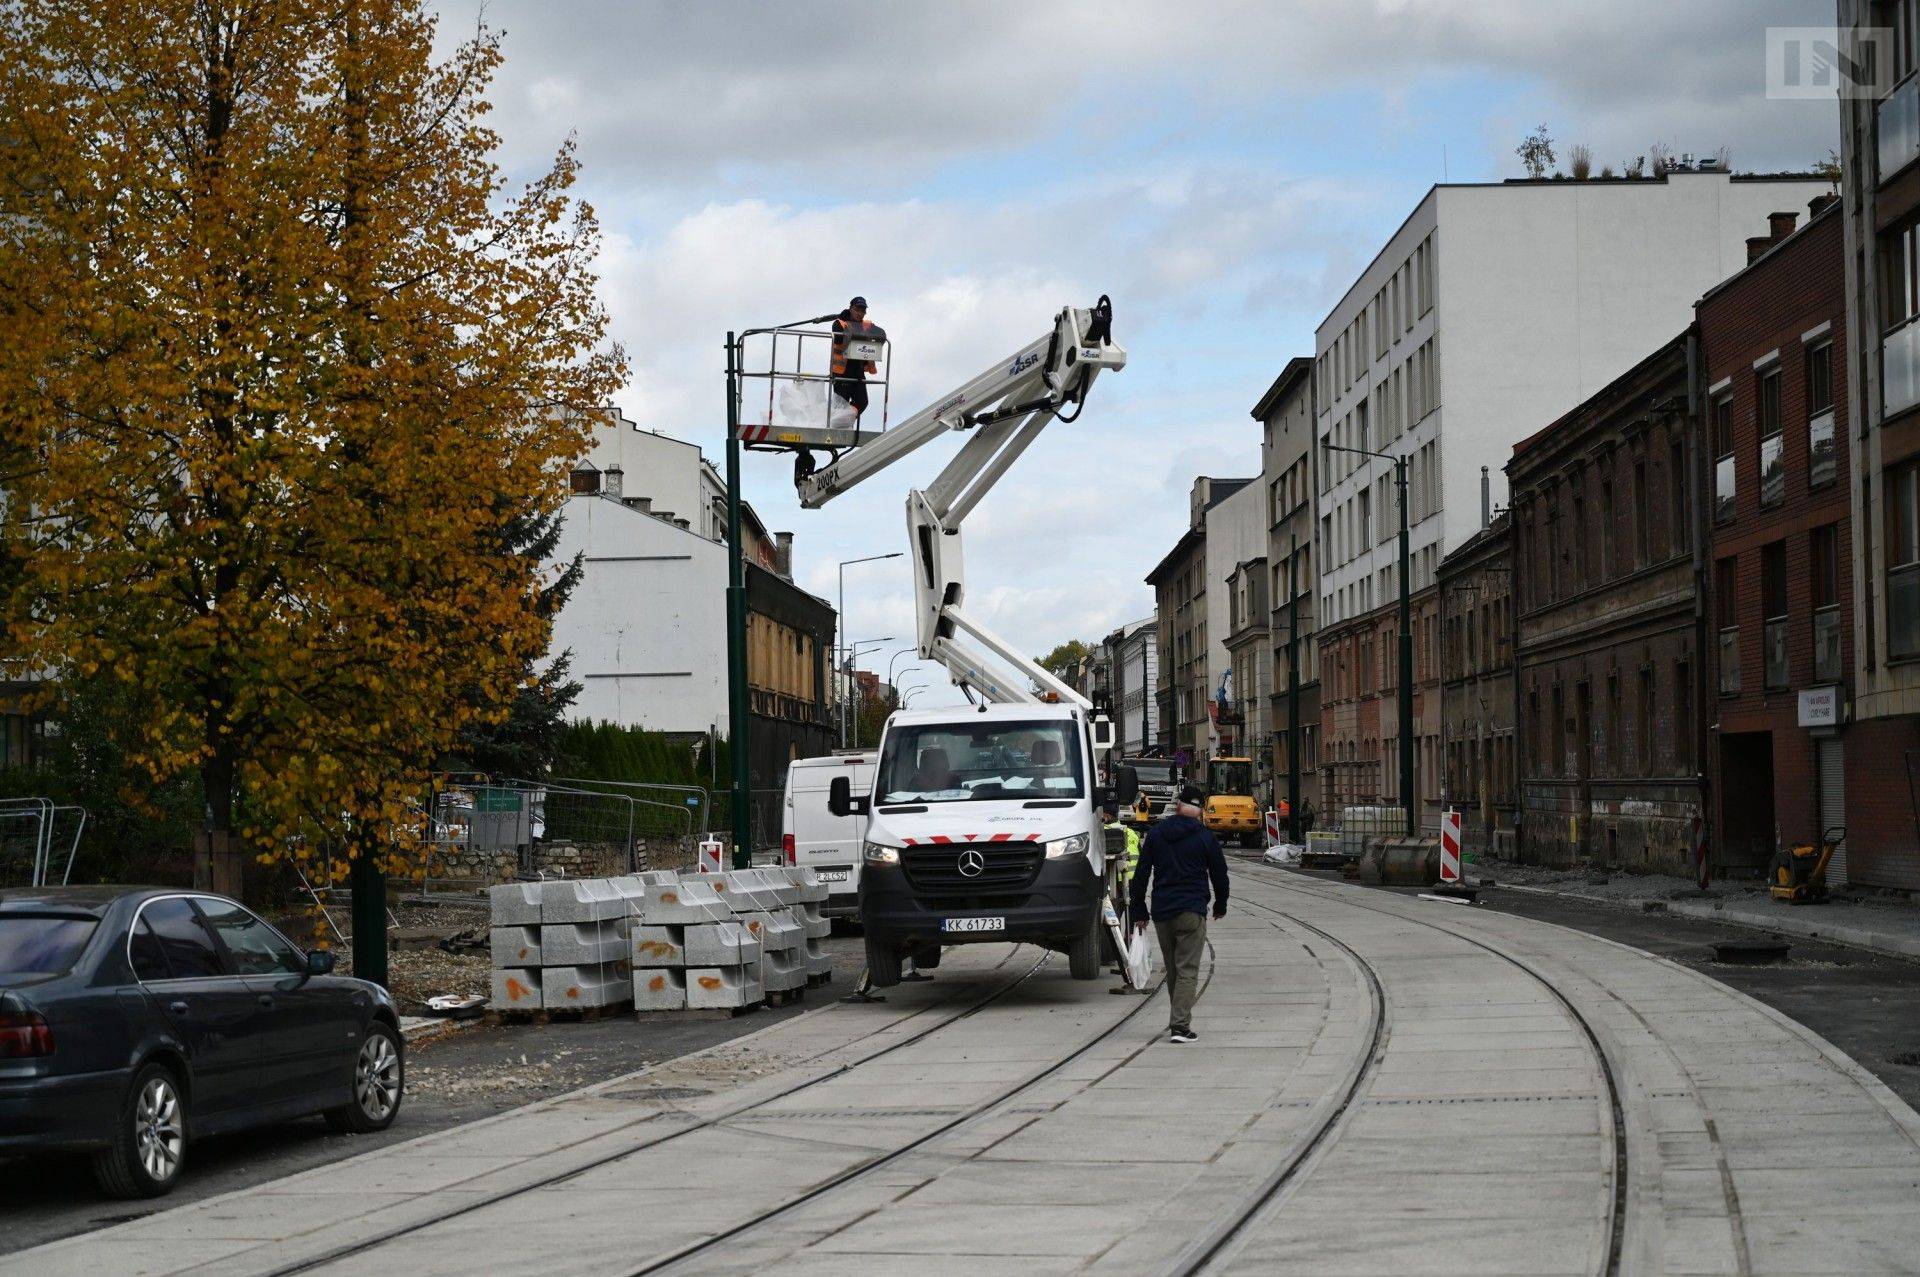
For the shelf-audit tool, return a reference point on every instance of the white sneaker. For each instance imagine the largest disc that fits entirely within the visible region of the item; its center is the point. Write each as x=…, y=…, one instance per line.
x=1183, y=1035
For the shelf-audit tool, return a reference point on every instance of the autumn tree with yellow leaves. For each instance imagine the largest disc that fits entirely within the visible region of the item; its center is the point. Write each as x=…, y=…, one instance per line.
x=282, y=357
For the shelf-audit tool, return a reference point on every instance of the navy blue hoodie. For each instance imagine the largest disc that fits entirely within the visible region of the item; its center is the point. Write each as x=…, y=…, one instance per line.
x=1181, y=856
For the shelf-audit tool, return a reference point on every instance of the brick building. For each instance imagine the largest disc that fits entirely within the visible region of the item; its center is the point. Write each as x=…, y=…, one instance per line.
x=1779, y=657
x=1475, y=588
x=1360, y=711
x=1185, y=636
x=1607, y=656
x=1880, y=189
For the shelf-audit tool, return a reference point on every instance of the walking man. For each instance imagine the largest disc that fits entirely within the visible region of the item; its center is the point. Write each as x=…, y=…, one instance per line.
x=1183, y=865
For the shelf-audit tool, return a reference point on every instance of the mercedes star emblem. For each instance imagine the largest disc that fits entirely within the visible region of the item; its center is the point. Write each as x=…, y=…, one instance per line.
x=972, y=864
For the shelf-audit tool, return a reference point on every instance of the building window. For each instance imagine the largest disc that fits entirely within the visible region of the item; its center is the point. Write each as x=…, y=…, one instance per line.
x=1900, y=297
x=1723, y=468
x=1822, y=467
x=1726, y=609
x=1677, y=494
x=1616, y=753
x=1578, y=533
x=1683, y=717
x=1773, y=613
x=1903, y=561
x=1642, y=541
x=1646, y=721
x=1823, y=553
x=1773, y=472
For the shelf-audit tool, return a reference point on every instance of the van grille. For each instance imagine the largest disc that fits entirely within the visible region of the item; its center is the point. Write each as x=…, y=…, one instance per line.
x=934, y=872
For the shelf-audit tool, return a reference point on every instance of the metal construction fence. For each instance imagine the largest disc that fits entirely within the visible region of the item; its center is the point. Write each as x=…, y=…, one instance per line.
x=39, y=840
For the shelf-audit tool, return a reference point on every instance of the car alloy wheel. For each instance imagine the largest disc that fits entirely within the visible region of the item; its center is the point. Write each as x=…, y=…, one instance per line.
x=159, y=1135
x=376, y=1077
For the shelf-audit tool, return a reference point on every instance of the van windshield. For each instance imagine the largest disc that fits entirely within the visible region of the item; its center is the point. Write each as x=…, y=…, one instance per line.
x=951, y=762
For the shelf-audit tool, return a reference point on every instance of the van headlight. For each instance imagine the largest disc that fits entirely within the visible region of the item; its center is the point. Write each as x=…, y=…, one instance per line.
x=1067, y=848
x=876, y=854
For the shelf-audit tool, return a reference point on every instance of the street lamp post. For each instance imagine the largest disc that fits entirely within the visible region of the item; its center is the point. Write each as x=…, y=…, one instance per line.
x=849, y=714
x=737, y=627
x=841, y=627
x=1406, y=632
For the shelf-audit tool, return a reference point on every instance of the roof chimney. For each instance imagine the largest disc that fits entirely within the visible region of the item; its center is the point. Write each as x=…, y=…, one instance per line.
x=1818, y=204
x=783, y=554
x=1780, y=225
x=1757, y=245
x=1486, y=500
x=613, y=482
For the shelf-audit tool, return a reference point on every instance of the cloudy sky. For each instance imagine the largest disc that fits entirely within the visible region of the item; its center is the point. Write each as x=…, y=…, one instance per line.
x=1221, y=168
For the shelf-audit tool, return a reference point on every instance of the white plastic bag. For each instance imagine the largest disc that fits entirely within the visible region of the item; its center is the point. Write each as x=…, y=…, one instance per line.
x=1286, y=854
x=1139, y=959
x=805, y=403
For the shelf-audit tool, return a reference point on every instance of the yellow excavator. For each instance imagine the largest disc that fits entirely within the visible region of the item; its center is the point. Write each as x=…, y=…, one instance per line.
x=1231, y=810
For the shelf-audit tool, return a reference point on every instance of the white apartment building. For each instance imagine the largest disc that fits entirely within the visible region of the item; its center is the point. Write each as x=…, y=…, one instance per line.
x=1493, y=310
x=1236, y=532
x=1136, y=671
x=667, y=477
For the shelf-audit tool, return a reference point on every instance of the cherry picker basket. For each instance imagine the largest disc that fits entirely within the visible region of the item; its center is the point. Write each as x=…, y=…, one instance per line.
x=786, y=396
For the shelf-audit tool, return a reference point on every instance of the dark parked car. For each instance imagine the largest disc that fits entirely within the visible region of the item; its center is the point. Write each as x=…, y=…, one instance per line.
x=133, y=1019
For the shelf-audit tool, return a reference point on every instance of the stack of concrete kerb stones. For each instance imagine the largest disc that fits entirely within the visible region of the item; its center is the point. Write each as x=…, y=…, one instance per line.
x=562, y=946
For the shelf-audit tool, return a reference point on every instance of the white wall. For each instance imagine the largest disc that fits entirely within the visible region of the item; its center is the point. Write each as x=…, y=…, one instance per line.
x=670, y=471
x=647, y=622
x=1543, y=293
x=1236, y=532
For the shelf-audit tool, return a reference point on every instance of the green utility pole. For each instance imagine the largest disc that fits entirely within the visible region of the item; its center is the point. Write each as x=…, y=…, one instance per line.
x=737, y=627
x=1406, y=632
x=1406, y=656
x=1293, y=695
x=369, y=912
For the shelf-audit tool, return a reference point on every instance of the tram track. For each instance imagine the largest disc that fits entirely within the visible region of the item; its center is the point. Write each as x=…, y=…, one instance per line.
x=739, y=1232
x=365, y=1244
x=1223, y=1237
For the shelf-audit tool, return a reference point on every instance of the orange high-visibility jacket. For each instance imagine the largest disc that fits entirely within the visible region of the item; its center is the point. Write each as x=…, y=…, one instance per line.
x=843, y=327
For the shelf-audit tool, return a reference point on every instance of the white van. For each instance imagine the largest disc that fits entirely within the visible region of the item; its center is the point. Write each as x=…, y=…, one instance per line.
x=812, y=837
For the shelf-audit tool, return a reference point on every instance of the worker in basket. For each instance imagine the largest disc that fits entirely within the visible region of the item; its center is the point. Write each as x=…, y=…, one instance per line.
x=850, y=375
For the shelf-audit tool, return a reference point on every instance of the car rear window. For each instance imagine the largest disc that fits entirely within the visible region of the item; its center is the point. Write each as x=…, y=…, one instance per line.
x=41, y=943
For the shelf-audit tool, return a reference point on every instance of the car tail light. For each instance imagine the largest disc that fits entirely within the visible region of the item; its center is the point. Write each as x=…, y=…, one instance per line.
x=24, y=1034
x=786, y=847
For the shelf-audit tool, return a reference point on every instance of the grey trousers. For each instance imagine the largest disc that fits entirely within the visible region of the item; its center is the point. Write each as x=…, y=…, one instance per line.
x=1182, y=939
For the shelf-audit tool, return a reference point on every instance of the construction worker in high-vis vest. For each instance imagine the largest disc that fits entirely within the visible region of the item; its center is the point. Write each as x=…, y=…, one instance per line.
x=1132, y=858
x=850, y=375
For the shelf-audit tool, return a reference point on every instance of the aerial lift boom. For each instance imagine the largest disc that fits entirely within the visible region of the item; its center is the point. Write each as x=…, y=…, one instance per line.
x=1005, y=408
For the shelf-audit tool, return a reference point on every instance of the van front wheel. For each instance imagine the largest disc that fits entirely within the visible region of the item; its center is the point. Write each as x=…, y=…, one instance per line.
x=883, y=964
x=1083, y=955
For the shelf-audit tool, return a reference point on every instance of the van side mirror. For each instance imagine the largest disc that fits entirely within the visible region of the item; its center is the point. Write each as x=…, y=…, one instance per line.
x=841, y=800
x=1126, y=785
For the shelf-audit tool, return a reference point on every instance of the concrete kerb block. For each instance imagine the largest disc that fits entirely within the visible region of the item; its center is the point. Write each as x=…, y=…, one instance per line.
x=516, y=989
x=514, y=904
x=516, y=946
x=816, y=925
x=569, y=944
x=580, y=900
x=659, y=989
x=743, y=890
x=781, y=932
x=583, y=988
x=720, y=944
x=779, y=882
x=686, y=901
x=819, y=961
x=783, y=971
x=813, y=891
x=659, y=946
x=718, y=987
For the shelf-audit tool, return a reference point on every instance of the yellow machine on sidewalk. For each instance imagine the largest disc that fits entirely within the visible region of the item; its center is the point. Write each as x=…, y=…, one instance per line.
x=1800, y=873
x=1231, y=810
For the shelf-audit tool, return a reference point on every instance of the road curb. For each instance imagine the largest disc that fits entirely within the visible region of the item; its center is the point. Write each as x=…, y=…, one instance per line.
x=418, y=1030
x=1797, y=924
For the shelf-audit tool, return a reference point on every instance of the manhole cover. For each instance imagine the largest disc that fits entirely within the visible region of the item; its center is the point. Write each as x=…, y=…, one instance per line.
x=1751, y=953
x=1910, y=1059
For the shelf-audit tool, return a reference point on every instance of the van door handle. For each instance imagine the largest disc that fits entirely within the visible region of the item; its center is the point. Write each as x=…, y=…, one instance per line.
x=266, y=1000
x=177, y=1008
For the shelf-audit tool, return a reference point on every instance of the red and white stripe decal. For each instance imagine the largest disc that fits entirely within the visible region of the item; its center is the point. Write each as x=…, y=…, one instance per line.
x=1000, y=838
x=942, y=839
x=909, y=841
x=1033, y=837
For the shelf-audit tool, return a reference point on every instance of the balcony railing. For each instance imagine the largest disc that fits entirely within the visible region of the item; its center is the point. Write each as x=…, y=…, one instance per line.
x=1897, y=124
x=1826, y=645
x=1900, y=368
x=1903, y=611
x=1823, y=465
x=1774, y=639
x=1773, y=470
x=1723, y=489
